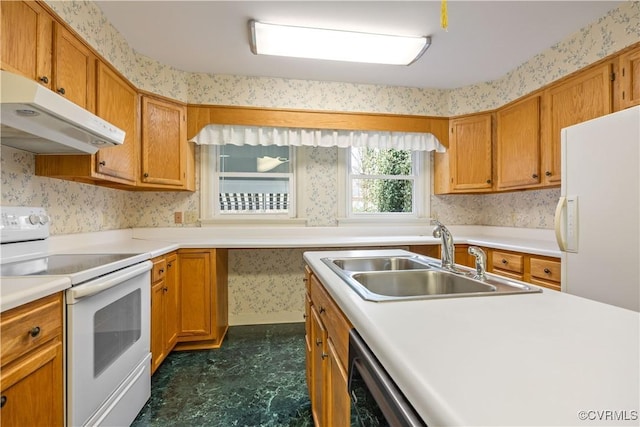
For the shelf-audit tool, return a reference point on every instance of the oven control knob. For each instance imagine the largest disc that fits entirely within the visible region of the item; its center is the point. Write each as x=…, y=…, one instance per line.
x=34, y=219
x=43, y=219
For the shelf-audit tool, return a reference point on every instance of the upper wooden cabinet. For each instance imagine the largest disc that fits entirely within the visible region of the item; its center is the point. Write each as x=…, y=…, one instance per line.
x=629, y=74
x=470, y=148
x=73, y=69
x=164, y=149
x=518, y=144
x=117, y=103
x=586, y=96
x=26, y=40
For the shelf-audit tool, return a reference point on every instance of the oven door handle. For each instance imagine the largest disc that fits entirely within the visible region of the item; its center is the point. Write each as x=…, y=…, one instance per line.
x=109, y=281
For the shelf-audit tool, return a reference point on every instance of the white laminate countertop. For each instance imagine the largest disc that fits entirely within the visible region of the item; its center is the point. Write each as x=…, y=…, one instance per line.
x=529, y=359
x=158, y=241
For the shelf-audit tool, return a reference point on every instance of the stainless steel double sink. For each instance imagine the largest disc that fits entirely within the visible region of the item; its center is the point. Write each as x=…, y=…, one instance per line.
x=413, y=277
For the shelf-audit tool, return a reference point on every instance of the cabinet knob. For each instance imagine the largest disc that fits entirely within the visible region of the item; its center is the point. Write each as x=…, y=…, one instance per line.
x=165, y=289
x=547, y=271
x=102, y=163
x=318, y=341
x=488, y=181
x=324, y=356
x=547, y=173
x=146, y=175
x=534, y=176
x=35, y=331
x=169, y=265
x=3, y=401
x=304, y=316
x=504, y=261
x=161, y=270
x=322, y=310
x=61, y=91
x=44, y=79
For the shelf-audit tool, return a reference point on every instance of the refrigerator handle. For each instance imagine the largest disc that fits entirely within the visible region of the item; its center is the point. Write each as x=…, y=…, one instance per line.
x=557, y=223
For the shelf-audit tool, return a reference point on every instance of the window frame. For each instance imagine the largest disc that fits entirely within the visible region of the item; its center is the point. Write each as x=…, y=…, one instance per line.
x=210, y=188
x=421, y=178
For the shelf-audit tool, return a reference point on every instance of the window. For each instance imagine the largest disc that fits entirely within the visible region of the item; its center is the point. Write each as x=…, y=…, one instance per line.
x=384, y=182
x=251, y=180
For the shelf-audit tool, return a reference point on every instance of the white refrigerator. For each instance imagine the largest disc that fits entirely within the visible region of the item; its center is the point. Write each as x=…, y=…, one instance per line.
x=597, y=219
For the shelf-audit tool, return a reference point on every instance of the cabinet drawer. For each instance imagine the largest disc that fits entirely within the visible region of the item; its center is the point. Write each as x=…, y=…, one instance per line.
x=508, y=262
x=545, y=269
x=26, y=327
x=546, y=284
x=334, y=321
x=159, y=269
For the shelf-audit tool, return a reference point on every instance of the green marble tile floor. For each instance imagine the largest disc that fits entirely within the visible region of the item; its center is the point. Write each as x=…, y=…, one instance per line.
x=257, y=378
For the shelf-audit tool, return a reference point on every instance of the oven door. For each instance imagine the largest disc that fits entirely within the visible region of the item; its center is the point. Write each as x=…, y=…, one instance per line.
x=375, y=398
x=107, y=341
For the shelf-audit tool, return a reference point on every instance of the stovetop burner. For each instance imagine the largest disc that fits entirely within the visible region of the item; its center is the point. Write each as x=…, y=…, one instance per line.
x=59, y=264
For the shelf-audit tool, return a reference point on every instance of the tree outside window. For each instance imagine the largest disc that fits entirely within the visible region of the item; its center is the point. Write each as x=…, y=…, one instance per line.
x=382, y=181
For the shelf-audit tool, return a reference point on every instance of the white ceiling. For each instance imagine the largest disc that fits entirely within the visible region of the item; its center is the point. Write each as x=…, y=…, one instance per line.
x=484, y=41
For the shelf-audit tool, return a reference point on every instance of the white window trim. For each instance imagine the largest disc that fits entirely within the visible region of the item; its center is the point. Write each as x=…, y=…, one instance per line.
x=421, y=194
x=209, y=190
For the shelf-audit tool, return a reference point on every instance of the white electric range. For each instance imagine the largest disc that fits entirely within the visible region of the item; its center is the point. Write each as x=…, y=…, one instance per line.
x=107, y=333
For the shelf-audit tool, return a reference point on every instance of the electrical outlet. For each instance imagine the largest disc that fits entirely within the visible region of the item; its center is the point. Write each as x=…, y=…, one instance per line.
x=191, y=217
x=177, y=217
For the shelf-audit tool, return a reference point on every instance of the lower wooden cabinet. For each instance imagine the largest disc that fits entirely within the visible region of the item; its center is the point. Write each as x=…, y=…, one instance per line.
x=188, y=302
x=327, y=339
x=31, y=378
x=164, y=307
x=203, y=296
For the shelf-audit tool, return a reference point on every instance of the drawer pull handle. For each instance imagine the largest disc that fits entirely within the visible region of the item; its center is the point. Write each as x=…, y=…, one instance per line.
x=3, y=401
x=102, y=163
x=324, y=356
x=547, y=271
x=322, y=310
x=504, y=261
x=35, y=331
x=318, y=341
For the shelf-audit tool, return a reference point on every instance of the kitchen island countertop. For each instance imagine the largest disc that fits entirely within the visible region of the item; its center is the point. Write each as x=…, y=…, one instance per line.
x=529, y=359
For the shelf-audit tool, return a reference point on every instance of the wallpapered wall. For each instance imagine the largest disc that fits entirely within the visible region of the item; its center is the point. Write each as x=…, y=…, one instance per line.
x=276, y=294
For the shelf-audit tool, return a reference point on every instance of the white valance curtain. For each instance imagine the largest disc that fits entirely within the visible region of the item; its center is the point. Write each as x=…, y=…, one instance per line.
x=255, y=135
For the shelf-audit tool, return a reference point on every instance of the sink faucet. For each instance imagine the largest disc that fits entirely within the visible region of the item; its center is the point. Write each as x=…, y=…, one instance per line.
x=447, y=251
x=481, y=262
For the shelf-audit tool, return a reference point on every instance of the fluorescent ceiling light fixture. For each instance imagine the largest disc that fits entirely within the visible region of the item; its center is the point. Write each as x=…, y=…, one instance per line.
x=336, y=45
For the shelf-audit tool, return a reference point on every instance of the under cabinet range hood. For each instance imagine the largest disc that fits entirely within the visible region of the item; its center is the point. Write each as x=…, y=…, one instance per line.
x=38, y=120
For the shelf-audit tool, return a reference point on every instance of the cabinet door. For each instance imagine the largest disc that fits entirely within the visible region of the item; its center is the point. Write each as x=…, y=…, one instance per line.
x=26, y=38
x=470, y=153
x=319, y=369
x=164, y=142
x=171, y=302
x=195, y=296
x=117, y=103
x=32, y=389
x=157, y=325
x=630, y=79
x=307, y=340
x=73, y=69
x=338, y=402
x=576, y=100
x=518, y=144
